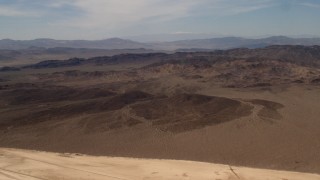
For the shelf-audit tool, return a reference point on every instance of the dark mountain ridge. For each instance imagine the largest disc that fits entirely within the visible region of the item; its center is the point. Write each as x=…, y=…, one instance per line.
x=300, y=55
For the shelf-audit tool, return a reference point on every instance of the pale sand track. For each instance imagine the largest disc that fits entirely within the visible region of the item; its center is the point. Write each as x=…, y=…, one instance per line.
x=33, y=165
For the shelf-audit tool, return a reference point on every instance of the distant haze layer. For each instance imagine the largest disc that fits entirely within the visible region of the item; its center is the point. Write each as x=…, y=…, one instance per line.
x=201, y=44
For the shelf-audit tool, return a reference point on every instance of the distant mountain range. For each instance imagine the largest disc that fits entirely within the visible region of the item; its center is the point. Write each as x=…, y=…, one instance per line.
x=300, y=55
x=198, y=44
x=177, y=36
x=113, y=43
x=237, y=42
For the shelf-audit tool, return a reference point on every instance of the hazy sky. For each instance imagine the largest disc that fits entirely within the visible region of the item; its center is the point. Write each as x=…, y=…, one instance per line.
x=98, y=19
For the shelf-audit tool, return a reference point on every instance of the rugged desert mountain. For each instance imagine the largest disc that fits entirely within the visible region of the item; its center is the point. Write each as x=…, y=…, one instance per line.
x=232, y=68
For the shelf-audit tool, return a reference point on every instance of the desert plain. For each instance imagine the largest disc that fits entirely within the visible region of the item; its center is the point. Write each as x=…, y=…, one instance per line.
x=254, y=108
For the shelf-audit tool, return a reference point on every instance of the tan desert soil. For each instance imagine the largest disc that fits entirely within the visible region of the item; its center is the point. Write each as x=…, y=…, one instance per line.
x=33, y=165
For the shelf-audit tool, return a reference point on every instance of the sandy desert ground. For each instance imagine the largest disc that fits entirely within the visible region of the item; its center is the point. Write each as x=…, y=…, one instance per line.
x=33, y=165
